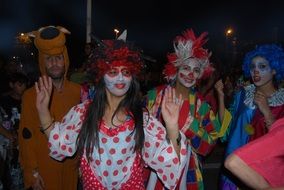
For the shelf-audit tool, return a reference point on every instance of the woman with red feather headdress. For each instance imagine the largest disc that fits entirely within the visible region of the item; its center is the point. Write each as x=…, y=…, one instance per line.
x=186, y=66
x=113, y=134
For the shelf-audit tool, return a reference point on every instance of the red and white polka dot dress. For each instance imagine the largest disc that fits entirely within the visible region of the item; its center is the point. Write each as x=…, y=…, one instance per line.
x=114, y=165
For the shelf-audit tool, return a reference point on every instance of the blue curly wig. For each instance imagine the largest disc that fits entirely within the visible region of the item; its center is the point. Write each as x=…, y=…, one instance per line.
x=273, y=53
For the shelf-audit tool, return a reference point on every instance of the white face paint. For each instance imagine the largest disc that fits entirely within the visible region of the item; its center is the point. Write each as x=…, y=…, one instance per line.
x=118, y=80
x=260, y=70
x=189, y=72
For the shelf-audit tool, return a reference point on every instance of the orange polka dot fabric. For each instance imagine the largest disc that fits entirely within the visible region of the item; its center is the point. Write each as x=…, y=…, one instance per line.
x=114, y=165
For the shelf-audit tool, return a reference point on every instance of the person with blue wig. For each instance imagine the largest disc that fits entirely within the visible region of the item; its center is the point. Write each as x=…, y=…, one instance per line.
x=256, y=106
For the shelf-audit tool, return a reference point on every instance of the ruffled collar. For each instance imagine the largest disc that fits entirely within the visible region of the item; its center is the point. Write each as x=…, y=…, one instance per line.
x=276, y=99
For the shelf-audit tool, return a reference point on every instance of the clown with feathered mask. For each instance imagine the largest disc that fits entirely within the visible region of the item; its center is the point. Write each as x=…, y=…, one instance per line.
x=186, y=66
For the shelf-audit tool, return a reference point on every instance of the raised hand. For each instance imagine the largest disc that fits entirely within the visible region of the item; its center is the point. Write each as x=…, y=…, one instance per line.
x=43, y=92
x=261, y=100
x=219, y=86
x=170, y=108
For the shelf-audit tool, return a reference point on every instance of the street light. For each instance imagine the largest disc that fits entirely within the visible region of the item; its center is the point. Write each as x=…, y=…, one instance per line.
x=229, y=47
x=229, y=32
x=116, y=31
x=23, y=38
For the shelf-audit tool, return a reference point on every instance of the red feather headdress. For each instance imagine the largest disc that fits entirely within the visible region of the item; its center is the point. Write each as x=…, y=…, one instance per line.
x=115, y=53
x=188, y=46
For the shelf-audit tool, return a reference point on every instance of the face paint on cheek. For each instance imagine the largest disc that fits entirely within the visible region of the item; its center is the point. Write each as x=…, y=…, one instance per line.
x=189, y=72
x=263, y=78
x=261, y=72
x=186, y=78
x=117, y=85
x=109, y=82
x=266, y=71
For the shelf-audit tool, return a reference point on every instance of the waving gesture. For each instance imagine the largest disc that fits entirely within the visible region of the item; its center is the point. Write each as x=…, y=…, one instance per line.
x=43, y=92
x=170, y=108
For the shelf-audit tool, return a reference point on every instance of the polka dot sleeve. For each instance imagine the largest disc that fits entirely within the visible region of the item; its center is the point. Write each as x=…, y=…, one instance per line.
x=159, y=153
x=62, y=139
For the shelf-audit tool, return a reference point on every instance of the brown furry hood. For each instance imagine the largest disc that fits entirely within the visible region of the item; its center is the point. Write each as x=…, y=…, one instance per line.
x=50, y=40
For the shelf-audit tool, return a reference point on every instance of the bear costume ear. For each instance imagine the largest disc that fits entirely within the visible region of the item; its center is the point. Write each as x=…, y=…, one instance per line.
x=64, y=30
x=31, y=34
x=35, y=32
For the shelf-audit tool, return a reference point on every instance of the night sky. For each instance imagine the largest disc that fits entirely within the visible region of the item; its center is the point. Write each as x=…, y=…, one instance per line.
x=151, y=24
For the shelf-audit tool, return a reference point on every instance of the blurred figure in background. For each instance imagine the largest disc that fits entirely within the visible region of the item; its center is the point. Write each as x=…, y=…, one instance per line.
x=83, y=77
x=80, y=74
x=10, y=108
x=207, y=90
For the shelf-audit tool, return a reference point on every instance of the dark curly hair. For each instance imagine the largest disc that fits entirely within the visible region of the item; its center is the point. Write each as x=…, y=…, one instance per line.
x=112, y=53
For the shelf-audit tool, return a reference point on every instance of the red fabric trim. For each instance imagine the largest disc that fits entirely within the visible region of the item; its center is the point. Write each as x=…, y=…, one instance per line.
x=183, y=114
x=114, y=131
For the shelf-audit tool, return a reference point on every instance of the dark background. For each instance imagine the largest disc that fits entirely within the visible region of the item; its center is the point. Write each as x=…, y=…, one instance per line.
x=151, y=24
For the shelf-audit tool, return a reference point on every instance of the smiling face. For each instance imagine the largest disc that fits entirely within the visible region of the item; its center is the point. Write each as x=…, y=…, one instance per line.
x=189, y=72
x=260, y=70
x=118, y=80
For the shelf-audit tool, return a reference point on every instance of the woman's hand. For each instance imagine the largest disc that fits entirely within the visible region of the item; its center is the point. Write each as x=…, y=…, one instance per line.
x=170, y=108
x=38, y=182
x=219, y=86
x=260, y=100
x=170, y=111
x=43, y=92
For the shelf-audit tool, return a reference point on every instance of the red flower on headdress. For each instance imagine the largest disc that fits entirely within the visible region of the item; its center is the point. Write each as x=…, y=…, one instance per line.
x=115, y=53
x=187, y=46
